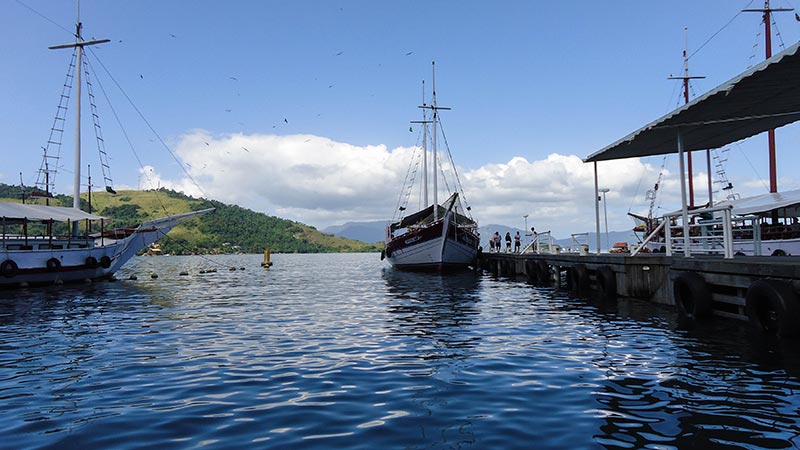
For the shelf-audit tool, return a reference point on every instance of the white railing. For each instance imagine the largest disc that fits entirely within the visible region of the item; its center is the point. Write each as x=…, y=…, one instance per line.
x=710, y=232
x=577, y=244
x=541, y=243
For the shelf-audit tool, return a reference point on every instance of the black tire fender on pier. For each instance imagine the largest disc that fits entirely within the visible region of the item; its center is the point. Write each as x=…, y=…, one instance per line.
x=692, y=296
x=91, y=262
x=8, y=268
x=606, y=283
x=531, y=271
x=772, y=306
x=383, y=254
x=543, y=271
x=579, y=280
x=105, y=262
x=53, y=264
x=388, y=253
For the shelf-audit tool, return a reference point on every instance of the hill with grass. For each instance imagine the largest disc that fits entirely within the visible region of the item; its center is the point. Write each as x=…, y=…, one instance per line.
x=229, y=229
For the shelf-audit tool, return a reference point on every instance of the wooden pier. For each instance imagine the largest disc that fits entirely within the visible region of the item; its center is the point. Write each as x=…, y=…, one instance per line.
x=763, y=290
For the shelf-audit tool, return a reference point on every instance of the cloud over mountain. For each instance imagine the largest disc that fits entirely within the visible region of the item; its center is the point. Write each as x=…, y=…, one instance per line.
x=322, y=182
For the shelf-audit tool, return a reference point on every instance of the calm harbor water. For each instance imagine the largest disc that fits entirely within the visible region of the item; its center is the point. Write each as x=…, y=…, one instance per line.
x=336, y=351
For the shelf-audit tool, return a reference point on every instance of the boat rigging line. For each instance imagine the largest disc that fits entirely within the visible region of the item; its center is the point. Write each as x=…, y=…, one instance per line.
x=152, y=129
x=455, y=172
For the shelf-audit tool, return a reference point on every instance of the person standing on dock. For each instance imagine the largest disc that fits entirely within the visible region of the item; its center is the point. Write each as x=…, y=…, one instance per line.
x=508, y=242
x=497, y=241
x=517, y=242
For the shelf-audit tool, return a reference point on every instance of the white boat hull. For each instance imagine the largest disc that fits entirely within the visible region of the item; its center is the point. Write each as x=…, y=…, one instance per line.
x=430, y=250
x=47, y=266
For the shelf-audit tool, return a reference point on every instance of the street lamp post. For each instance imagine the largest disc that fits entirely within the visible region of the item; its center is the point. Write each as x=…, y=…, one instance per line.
x=605, y=213
x=525, y=231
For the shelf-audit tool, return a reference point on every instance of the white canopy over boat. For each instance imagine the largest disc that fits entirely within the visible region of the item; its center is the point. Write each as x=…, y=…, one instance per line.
x=19, y=211
x=786, y=203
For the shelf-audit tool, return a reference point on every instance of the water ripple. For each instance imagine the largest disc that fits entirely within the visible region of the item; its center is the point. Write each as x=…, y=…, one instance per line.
x=333, y=351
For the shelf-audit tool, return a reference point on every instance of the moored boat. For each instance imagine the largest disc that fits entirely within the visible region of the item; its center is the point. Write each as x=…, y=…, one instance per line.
x=45, y=244
x=438, y=237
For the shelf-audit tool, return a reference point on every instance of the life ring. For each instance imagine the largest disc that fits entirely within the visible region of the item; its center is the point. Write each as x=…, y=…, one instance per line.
x=606, y=282
x=105, y=262
x=772, y=306
x=579, y=280
x=91, y=262
x=8, y=268
x=692, y=295
x=53, y=264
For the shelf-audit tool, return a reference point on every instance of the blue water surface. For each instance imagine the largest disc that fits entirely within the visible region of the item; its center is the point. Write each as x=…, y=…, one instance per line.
x=339, y=351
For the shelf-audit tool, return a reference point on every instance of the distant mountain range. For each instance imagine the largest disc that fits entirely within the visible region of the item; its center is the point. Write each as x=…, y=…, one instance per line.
x=374, y=231
x=360, y=231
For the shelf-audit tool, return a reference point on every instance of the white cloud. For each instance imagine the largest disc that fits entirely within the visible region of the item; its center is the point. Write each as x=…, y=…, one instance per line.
x=321, y=182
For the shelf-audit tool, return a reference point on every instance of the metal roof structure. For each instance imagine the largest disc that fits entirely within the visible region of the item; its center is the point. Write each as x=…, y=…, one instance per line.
x=786, y=203
x=762, y=98
x=41, y=213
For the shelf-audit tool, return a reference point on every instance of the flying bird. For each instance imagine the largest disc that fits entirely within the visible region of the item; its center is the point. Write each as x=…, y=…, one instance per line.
x=228, y=110
x=173, y=35
x=286, y=120
x=248, y=151
x=797, y=17
x=339, y=53
x=234, y=78
x=409, y=53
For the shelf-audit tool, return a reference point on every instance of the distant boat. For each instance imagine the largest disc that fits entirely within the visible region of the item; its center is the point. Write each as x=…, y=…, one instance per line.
x=44, y=245
x=438, y=237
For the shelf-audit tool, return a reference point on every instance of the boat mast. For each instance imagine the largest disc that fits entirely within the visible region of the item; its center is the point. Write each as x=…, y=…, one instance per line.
x=686, y=79
x=435, y=108
x=435, y=166
x=424, y=123
x=767, y=13
x=424, y=149
x=78, y=45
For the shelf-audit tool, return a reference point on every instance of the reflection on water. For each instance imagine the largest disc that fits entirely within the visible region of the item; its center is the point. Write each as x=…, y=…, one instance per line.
x=336, y=351
x=437, y=309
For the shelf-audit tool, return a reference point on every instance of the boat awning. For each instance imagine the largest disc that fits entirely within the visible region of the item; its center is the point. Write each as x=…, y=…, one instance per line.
x=763, y=98
x=42, y=213
x=786, y=203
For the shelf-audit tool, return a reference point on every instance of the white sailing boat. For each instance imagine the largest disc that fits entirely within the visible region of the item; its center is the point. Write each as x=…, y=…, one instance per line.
x=36, y=250
x=438, y=237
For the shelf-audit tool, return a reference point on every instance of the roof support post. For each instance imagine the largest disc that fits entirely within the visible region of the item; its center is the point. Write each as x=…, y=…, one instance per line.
x=597, y=206
x=708, y=172
x=684, y=209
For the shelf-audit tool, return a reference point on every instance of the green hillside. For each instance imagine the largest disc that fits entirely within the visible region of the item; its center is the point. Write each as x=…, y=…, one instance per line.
x=229, y=229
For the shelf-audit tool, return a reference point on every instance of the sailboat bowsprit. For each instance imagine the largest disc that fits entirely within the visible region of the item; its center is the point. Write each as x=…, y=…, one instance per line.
x=438, y=237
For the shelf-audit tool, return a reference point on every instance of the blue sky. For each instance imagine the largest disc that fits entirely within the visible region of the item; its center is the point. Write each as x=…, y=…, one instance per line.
x=320, y=94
